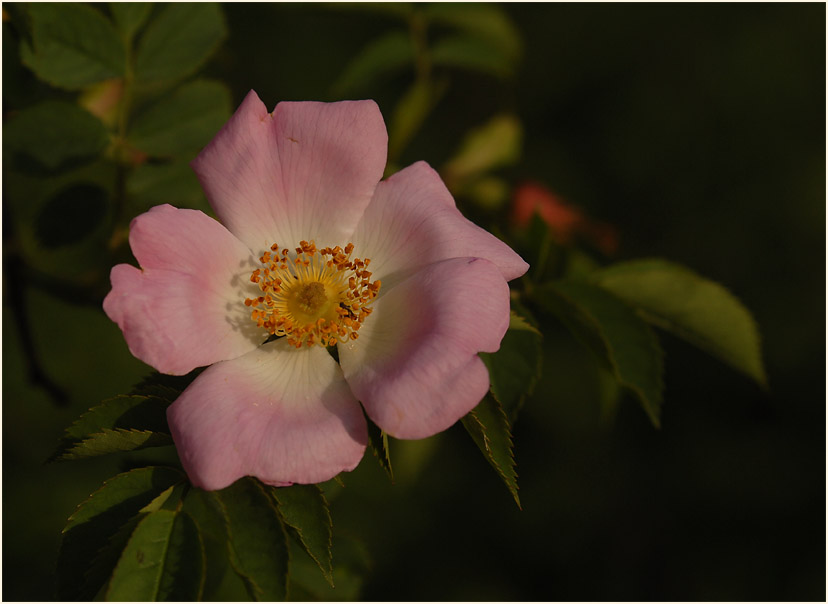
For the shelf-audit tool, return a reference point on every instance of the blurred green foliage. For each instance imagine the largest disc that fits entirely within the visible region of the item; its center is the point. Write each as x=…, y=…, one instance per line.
x=696, y=130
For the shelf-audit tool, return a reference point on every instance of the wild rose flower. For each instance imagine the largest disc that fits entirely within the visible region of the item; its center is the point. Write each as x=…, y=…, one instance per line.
x=312, y=250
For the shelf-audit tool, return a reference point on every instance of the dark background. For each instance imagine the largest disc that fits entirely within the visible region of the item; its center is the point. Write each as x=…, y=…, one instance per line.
x=697, y=130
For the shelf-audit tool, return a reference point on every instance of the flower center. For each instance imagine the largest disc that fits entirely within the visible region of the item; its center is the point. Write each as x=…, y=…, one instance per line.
x=319, y=297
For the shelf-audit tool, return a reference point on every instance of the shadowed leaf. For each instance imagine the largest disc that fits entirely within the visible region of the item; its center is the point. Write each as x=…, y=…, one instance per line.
x=174, y=182
x=130, y=16
x=257, y=540
x=515, y=368
x=55, y=132
x=388, y=53
x=489, y=428
x=115, y=441
x=378, y=441
x=163, y=560
x=696, y=309
x=178, y=41
x=73, y=45
x=100, y=518
x=469, y=52
x=486, y=22
x=614, y=332
x=184, y=122
x=124, y=413
x=304, y=510
x=205, y=510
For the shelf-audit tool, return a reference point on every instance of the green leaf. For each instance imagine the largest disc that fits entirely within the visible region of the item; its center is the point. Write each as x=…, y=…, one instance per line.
x=174, y=183
x=125, y=412
x=410, y=113
x=258, y=544
x=164, y=560
x=352, y=564
x=184, y=122
x=115, y=441
x=164, y=387
x=178, y=41
x=386, y=54
x=205, y=510
x=487, y=22
x=613, y=331
x=495, y=144
x=515, y=368
x=378, y=441
x=100, y=570
x=130, y=16
x=54, y=132
x=99, y=518
x=122, y=413
x=304, y=510
x=469, y=52
x=73, y=45
x=489, y=428
x=695, y=309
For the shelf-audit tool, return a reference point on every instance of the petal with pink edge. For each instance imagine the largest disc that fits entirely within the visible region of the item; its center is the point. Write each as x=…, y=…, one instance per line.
x=280, y=414
x=415, y=365
x=413, y=221
x=185, y=309
x=306, y=171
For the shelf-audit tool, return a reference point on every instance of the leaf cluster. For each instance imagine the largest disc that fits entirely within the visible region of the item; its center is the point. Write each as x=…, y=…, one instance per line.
x=148, y=534
x=107, y=117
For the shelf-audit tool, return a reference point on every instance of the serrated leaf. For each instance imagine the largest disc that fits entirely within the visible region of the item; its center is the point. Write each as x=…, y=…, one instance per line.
x=99, y=518
x=73, y=45
x=123, y=411
x=614, y=332
x=163, y=560
x=304, y=509
x=489, y=428
x=386, y=54
x=164, y=387
x=130, y=16
x=55, y=132
x=115, y=441
x=100, y=570
x=257, y=540
x=468, y=52
x=693, y=308
x=515, y=367
x=174, y=182
x=378, y=441
x=205, y=510
x=485, y=21
x=178, y=41
x=352, y=564
x=184, y=122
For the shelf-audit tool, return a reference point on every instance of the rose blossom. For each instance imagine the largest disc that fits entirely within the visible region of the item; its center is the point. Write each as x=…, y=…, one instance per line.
x=312, y=250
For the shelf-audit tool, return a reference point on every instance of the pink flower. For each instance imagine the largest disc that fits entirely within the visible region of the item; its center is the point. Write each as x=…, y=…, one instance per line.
x=314, y=248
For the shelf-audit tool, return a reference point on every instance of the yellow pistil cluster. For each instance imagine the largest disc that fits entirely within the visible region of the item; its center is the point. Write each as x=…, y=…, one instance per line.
x=320, y=296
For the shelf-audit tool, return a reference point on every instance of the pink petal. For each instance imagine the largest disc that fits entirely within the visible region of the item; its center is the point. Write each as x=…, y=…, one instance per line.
x=277, y=413
x=413, y=221
x=185, y=309
x=306, y=171
x=415, y=365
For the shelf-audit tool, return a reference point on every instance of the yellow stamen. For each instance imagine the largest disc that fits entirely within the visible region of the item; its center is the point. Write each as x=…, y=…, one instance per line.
x=317, y=297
